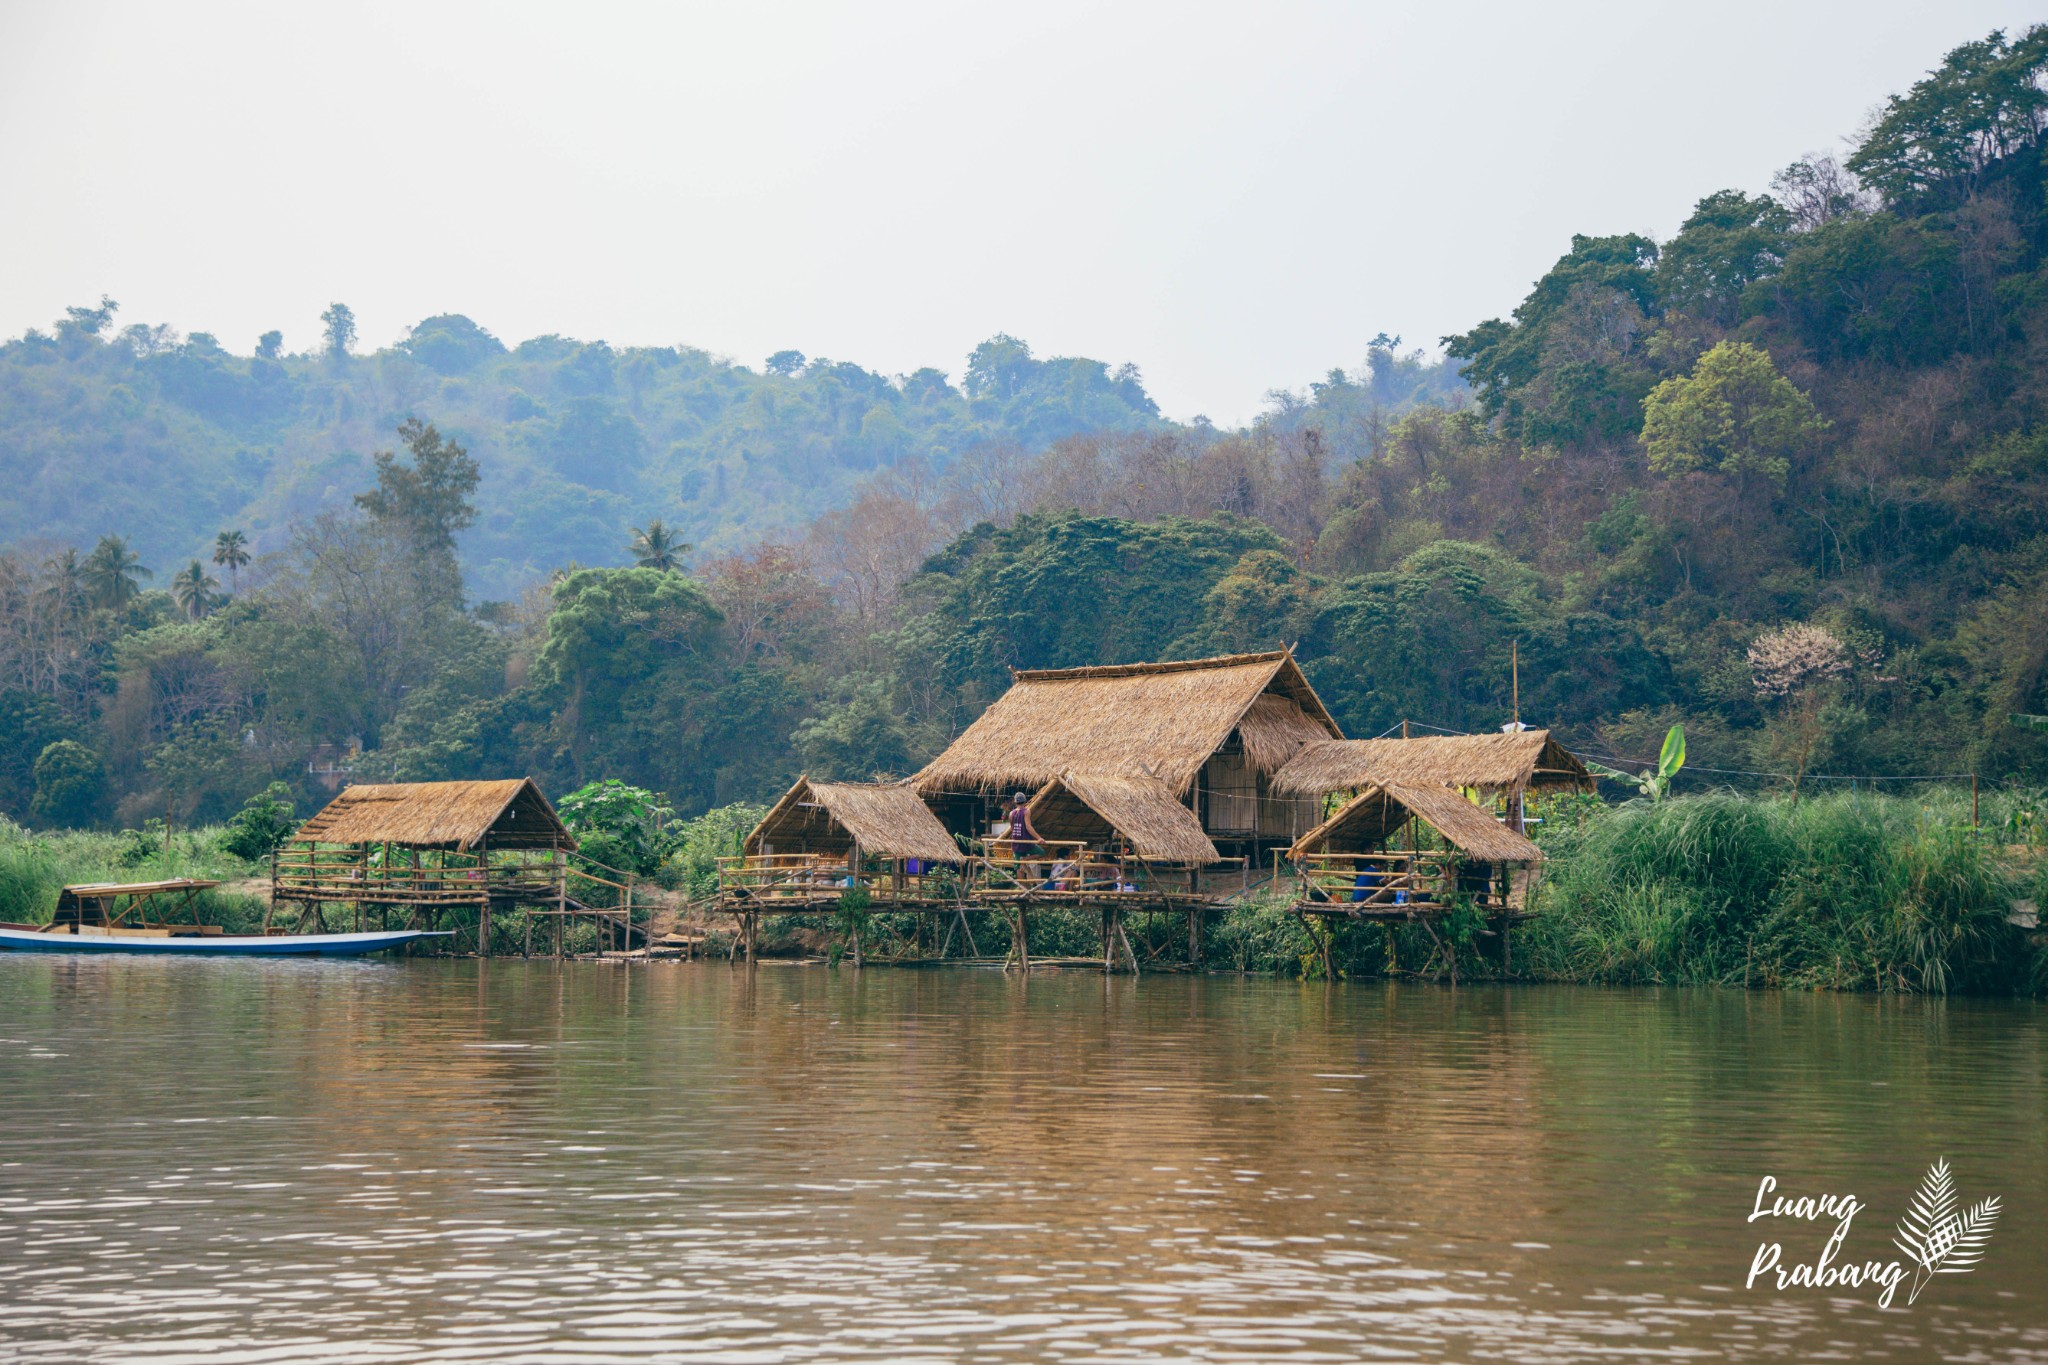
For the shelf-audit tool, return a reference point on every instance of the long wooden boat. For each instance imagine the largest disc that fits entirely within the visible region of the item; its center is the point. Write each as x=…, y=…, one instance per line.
x=162, y=917
x=21, y=939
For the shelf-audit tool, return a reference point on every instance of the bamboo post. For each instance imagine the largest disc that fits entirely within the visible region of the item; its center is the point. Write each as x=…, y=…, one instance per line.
x=1973, y=802
x=483, y=909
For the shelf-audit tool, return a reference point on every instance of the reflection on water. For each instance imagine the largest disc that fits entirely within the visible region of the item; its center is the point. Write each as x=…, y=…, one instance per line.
x=501, y=1161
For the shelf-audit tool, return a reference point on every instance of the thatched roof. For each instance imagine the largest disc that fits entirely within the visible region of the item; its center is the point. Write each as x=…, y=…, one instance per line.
x=1524, y=760
x=1368, y=819
x=507, y=814
x=888, y=820
x=1159, y=720
x=1142, y=810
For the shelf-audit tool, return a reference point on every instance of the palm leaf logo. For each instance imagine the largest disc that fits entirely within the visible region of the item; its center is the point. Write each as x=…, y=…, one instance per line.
x=1939, y=1240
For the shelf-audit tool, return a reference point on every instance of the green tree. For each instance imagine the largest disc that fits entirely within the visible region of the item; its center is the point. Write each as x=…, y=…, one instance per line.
x=1734, y=413
x=270, y=345
x=200, y=765
x=857, y=738
x=89, y=322
x=610, y=631
x=1260, y=604
x=192, y=589
x=430, y=498
x=1436, y=639
x=262, y=825
x=1063, y=591
x=29, y=724
x=1503, y=358
x=113, y=572
x=618, y=824
x=231, y=551
x=70, y=782
x=656, y=546
x=338, y=325
x=1983, y=106
x=1730, y=242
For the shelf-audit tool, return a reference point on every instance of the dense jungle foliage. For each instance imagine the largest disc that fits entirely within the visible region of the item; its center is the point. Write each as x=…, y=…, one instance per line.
x=1783, y=478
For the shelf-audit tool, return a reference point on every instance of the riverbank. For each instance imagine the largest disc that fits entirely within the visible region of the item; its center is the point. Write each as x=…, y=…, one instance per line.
x=1844, y=892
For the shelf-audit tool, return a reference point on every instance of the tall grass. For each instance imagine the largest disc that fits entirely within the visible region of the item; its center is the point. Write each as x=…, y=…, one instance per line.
x=34, y=866
x=1845, y=891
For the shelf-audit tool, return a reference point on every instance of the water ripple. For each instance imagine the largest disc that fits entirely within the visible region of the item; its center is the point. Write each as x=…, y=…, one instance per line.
x=442, y=1162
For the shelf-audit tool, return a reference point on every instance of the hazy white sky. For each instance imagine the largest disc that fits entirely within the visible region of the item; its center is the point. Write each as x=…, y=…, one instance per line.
x=1236, y=197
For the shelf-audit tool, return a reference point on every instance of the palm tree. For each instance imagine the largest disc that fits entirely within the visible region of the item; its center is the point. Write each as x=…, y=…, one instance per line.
x=192, y=588
x=656, y=546
x=232, y=549
x=113, y=572
x=64, y=582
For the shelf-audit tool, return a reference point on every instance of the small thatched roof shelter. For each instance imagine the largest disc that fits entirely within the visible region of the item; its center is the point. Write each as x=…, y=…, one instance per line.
x=1159, y=720
x=463, y=816
x=887, y=820
x=1369, y=819
x=1140, y=810
x=1517, y=761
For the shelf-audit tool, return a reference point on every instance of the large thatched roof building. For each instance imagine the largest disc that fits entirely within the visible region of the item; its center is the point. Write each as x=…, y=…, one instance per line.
x=460, y=816
x=1212, y=731
x=1368, y=820
x=1142, y=812
x=1510, y=763
x=887, y=820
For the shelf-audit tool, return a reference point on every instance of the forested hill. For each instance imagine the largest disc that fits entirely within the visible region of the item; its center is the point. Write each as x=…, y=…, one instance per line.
x=1781, y=478
x=165, y=439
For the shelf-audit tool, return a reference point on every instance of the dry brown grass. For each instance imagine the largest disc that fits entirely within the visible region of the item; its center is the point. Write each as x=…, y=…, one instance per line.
x=1528, y=760
x=506, y=814
x=1160, y=720
x=1094, y=807
x=1366, y=822
x=889, y=820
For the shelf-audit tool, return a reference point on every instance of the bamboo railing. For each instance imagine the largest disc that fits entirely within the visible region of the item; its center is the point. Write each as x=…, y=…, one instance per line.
x=1388, y=884
x=1006, y=871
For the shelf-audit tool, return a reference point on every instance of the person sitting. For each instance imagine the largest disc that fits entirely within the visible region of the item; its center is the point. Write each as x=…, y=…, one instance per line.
x=1362, y=886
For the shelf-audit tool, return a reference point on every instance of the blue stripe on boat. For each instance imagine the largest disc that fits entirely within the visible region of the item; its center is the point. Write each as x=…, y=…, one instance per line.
x=222, y=945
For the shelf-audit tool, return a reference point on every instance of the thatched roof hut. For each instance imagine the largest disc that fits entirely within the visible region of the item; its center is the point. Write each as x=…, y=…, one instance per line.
x=886, y=820
x=1158, y=720
x=1369, y=819
x=1517, y=761
x=464, y=816
x=1141, y=811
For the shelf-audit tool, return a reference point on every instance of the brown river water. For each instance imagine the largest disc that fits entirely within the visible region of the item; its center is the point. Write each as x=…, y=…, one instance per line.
x=504, y=1161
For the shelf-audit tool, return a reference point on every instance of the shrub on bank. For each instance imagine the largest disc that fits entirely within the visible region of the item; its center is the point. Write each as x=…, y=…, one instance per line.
x=1844, y=891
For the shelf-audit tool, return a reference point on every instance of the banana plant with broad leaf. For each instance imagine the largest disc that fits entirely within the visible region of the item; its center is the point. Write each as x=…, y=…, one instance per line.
x=1651, y=783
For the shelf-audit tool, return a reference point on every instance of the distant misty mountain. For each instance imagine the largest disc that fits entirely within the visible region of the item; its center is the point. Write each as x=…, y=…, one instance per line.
x=167, y=439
